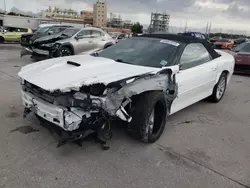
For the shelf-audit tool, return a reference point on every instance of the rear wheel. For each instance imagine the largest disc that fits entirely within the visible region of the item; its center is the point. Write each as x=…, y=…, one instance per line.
x=64, y=51
x=1, y=40
x=149, y=117
x=219, y=89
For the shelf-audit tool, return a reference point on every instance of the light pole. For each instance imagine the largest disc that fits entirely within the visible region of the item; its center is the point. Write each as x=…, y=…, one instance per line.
x=4, y=6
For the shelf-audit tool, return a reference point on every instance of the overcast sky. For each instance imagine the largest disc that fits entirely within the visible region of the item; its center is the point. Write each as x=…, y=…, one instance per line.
x=224, y=14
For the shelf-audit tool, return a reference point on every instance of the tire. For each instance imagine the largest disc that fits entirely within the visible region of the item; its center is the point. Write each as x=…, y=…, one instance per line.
x=1, y=40
x=215, y=97
x=149, y=103
x=64, y=51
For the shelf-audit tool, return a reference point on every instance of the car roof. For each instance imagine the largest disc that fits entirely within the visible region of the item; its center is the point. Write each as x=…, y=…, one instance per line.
x=179, y=38
x=185, y=40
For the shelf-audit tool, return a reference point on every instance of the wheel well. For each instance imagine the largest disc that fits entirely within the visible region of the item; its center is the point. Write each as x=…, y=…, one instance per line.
x=1, y=37
x=135, y=99
x=107, y=45
x=226, y=71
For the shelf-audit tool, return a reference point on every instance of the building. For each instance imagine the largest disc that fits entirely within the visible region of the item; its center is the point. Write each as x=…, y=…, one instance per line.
x=159, y=22
x=60, y=13
x=33, y=23
x=87, y=16
x=100, y=14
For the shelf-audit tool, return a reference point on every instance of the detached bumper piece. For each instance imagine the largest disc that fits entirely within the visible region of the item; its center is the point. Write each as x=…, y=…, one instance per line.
x=71, y=124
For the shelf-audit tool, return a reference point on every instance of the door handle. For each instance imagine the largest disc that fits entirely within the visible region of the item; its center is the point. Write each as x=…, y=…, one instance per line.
x=90, y=41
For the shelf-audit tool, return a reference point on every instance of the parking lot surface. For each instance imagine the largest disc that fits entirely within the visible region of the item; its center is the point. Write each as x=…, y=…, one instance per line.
x=205, y=145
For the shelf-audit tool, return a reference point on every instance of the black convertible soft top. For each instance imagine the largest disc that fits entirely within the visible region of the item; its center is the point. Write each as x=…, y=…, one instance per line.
x=185, y=40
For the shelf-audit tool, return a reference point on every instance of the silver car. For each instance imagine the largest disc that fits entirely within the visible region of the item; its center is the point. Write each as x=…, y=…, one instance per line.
x=71, y=41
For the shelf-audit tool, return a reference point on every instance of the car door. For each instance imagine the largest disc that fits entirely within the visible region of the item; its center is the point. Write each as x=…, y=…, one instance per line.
x=196, y=78
x=98, y=39
x=84, y=41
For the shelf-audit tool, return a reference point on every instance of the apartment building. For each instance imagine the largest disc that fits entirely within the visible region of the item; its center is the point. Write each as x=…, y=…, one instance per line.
x=100, y=14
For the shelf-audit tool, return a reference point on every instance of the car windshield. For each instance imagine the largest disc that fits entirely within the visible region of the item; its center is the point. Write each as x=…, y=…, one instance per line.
x=70, y=32
x=150, y=52
x=243, y=47
x=43, y=29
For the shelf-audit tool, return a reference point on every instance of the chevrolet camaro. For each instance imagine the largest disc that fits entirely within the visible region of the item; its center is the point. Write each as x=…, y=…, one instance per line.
x=139, y=81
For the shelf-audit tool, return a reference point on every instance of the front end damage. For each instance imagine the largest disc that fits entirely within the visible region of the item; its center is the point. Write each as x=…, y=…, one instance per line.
x=79, y=112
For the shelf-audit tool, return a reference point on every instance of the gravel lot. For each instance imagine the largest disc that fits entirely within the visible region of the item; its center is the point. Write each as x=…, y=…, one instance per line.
x=205, y=145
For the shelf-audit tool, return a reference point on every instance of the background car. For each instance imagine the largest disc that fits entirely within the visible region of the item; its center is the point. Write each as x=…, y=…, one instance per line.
x=240, y=40
x=43, y=30
x=70, y=42
x=118, y=36
x=223, y=44
x=214, y=39
x=13, y=34
x=241, y=54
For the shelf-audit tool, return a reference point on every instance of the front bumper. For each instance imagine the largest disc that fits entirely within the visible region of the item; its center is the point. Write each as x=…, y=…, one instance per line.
x=25, y=51
x=67, y=119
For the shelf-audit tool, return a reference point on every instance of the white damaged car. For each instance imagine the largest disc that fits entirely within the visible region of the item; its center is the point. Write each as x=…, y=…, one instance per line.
x=140, y=81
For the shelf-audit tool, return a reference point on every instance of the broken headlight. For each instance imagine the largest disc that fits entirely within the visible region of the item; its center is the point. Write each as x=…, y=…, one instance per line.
x=47, y=45
x=95, y=89
x=79, y=99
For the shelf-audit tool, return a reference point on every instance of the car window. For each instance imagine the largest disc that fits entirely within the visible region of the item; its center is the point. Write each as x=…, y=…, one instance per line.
x=11, y=29
x=61, y=29
x=23, y=30
x=193, y=55
x=96, y=33
x=197, y=35
x=54, y=30
x=84, y=33
x=203, y=37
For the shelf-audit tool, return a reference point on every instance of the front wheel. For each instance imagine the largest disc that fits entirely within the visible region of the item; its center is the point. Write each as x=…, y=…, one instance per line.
x=219, y=89
x=149, y=117
x=64, y=51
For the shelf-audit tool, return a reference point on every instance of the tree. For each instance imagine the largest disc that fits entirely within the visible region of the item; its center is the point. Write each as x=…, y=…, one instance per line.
x=137, y=28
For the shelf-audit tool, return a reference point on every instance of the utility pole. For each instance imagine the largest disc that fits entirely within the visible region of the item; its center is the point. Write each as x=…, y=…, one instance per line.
x=4, y=1
x=206, y=32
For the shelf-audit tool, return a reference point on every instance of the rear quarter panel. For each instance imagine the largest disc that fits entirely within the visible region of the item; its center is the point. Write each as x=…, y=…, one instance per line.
x=225, y=62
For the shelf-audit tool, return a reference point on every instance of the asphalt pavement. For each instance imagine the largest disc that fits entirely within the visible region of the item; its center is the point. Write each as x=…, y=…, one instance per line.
x=205, y=145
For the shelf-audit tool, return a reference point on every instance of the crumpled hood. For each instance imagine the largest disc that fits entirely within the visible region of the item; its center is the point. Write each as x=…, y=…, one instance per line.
x=57, y=74
x=49, y=38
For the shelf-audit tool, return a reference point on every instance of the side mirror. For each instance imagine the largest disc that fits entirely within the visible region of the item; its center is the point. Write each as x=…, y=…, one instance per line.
x=180, y=66
x=50, y=32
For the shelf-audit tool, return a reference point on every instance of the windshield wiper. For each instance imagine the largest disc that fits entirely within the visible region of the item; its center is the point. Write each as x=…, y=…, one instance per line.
x=120, y=60
x=64, y=34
